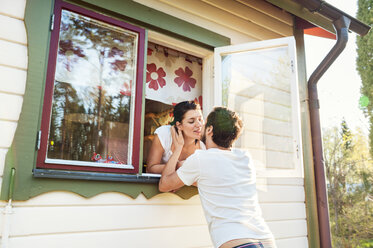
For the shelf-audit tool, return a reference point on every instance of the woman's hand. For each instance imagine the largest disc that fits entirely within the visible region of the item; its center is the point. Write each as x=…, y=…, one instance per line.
x=177, y=138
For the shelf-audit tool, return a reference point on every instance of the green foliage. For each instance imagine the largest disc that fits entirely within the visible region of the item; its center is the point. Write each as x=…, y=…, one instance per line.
x=366, y=244
x=365, y=63
x=349, y=171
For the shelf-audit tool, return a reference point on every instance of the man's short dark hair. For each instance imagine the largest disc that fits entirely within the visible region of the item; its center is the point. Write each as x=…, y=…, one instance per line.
x=227, y=126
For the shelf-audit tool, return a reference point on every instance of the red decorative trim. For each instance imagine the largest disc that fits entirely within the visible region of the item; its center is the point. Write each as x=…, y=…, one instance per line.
x=138, y=101
x=48, y=94
x=310, y=29
x=48, y=97
x=316, y=31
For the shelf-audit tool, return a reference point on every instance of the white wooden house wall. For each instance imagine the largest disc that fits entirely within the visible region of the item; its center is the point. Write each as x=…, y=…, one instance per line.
x=13, y=70
x=63, y=219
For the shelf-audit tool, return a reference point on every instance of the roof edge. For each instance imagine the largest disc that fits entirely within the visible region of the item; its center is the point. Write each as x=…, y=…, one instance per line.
x=329, y=11
x=321, y=14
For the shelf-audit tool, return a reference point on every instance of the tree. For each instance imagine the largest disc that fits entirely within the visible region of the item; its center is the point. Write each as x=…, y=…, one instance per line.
x=346, y=135
x=349, y=171
x=365, y=63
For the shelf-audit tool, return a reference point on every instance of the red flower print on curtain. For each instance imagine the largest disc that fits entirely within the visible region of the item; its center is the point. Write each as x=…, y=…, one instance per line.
x=184, y=78
x=126, y=89
x=155, y=77
x=150, y=51
x=198, y=101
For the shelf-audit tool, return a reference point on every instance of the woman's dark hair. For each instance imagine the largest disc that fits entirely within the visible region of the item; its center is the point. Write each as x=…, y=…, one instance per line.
x=181, y=108
x=226, y=126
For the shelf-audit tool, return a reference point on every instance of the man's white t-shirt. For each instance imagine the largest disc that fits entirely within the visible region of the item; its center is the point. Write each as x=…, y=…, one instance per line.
x=165, y=137
x=226, y=185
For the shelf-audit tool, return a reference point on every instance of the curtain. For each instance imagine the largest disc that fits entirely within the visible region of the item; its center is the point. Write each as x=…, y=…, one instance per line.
x=172, y=76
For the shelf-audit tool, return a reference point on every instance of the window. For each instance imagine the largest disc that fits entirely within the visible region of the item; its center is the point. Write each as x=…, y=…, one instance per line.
x=259, y=81
x=93, y=96
x=172, y=76
x=81, y=174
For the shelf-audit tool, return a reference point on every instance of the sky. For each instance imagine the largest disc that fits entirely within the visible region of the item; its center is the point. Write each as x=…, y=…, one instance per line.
x=339, y=87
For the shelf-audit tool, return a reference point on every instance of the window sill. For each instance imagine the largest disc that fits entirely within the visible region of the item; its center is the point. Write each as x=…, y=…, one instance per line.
x=95, y=176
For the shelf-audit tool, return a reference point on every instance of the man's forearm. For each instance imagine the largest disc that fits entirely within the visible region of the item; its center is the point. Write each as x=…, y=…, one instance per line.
x=165, y=184
x=171, y=163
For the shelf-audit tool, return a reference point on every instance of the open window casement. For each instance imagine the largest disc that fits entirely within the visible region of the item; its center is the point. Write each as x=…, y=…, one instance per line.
x=259, y=81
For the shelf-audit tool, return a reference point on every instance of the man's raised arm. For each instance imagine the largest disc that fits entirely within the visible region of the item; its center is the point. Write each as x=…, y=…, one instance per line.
x=169, y=179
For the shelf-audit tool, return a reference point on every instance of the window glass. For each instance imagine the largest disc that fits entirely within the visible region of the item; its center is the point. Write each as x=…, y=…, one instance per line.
x=92, y=104
x=260, y=84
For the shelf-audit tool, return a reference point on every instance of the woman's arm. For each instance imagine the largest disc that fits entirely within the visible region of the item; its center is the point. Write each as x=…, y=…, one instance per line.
x=153, y=162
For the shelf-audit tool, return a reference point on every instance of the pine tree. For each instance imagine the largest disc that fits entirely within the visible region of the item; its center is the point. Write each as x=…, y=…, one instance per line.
x=346, y=135
x=349, y=172
x=365, y=63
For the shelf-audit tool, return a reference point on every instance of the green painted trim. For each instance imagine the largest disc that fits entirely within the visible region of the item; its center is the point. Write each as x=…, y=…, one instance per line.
x=298, y=10
x=149, y=18
x=22, y=153
x=309, y=177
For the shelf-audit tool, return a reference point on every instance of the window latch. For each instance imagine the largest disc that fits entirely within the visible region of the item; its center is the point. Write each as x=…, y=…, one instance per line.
x=38, y=139
x=52, y=22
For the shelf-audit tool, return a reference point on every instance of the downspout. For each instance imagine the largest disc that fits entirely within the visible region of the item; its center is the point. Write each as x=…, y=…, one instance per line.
x=341, y=26
x=7, y=212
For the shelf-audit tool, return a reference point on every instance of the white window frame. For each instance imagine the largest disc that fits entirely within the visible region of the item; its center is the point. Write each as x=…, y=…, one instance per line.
x=297, y=142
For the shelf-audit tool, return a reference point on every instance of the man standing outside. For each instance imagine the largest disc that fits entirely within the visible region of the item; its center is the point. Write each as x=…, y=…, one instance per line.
x=226, y=183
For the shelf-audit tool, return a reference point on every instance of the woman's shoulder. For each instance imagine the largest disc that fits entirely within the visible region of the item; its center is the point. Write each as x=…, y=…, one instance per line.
x=163, y=130
x=202, y=145
x=164, y=136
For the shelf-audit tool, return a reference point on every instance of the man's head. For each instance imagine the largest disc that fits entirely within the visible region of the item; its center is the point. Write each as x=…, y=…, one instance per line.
x=224, y=125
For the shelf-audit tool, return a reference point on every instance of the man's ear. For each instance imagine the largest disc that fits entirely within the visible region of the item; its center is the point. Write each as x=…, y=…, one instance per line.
x=209, y=130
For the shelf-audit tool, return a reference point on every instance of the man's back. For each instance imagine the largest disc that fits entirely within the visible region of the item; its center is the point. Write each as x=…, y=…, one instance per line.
x=226, y=184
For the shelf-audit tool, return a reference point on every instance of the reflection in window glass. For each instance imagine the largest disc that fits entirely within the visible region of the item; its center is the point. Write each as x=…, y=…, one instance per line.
x=257, y=84
x=92, y=98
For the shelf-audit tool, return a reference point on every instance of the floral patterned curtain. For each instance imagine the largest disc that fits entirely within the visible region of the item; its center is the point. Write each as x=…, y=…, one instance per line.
x=172, y=76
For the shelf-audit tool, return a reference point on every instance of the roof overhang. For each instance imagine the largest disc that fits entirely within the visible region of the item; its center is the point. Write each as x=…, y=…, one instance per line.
x=320, y=14
x=311, y=29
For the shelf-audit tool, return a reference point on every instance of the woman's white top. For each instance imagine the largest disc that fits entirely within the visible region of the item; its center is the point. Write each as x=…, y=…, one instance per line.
x=165, y=137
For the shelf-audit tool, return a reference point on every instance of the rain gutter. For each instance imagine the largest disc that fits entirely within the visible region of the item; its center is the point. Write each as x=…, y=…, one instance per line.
x=342, y=23
x=332, y=13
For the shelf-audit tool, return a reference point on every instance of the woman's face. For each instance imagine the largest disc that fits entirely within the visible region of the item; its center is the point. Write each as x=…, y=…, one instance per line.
x=191, y=124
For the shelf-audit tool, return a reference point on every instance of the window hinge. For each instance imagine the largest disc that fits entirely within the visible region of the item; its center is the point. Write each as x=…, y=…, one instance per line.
x=52, y=22
x=38, y=139
x=292, y=66
x=297, y=149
